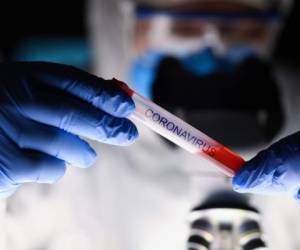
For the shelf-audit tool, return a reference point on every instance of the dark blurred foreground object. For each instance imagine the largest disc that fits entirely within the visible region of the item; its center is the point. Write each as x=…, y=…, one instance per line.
x=225, y=221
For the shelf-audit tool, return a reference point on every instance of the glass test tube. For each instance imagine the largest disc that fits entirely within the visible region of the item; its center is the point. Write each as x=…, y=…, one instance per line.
x=181, y=133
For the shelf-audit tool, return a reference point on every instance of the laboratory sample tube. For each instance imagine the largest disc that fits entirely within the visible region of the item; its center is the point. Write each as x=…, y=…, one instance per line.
x=181, y=133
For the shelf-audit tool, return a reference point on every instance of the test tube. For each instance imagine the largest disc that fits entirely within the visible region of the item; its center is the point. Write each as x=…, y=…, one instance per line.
x=179, y=132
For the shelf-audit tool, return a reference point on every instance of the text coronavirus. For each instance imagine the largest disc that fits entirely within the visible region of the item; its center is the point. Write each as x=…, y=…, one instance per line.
x=180, y=132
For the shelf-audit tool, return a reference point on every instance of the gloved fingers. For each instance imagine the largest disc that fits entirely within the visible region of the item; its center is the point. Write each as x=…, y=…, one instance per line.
x=28, y=134
x=251, y=177
x=274, y=170
x=37, y=167
x=78, y=117
x=57, y=143
x=103, y=94
x=20, y=166
x=264, y=174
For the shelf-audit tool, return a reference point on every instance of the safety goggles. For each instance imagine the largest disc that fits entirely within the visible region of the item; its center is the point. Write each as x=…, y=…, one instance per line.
x=146, y=12
x=181, y=32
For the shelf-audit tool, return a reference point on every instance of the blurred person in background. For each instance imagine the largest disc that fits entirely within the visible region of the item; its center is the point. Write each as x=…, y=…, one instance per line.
x=219, y=51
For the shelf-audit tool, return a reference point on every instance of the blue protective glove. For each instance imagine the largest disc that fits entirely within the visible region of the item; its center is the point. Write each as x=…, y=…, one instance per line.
x=44, y=108
x=274, y=170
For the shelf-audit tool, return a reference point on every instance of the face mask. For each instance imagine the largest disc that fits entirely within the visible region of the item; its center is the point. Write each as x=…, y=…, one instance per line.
x=203, y=63
x=207, y=61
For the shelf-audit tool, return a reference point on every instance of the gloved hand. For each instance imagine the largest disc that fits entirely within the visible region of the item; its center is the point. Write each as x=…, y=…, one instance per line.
x=44, y=108
x=274, y=170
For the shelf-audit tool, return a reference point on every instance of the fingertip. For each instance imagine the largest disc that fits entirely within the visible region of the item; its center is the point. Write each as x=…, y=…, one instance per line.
x=116, y=131
x=52, y=172
x=88, y=159
x=91, y=157
x=239, y=181
x=126, y=108
x=131, y=137
x=115, y=102
x=79, y=153
x=60, y=173
x=133, y=134
x=239, y=189
x=297, y=196
x=125, y=104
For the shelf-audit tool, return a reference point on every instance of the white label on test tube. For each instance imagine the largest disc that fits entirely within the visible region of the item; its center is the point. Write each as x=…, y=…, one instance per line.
x=181, y=133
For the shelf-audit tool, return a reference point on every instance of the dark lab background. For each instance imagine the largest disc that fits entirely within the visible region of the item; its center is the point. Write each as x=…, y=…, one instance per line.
x=56, y=31
x=44, y=30
x=21, y=21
